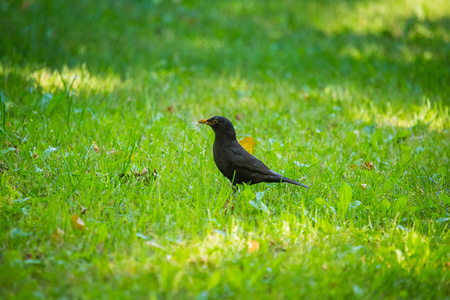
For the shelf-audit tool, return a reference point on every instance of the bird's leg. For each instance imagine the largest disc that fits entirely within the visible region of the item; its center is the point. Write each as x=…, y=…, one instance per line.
x=229, y=204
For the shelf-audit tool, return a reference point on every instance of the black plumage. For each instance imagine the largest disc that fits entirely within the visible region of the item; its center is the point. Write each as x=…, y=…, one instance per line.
x=234, y=162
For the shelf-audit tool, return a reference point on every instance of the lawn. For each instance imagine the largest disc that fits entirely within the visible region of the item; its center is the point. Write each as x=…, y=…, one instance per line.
x=109, y=188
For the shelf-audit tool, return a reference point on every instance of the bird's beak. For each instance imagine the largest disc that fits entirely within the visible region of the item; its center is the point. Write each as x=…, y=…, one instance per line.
x=204, y=121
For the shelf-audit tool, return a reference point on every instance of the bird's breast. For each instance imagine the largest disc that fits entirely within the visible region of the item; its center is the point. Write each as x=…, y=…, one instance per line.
x=222, y=158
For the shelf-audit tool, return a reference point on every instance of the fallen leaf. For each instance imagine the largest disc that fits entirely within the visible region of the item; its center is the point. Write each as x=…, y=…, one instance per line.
x=100, y=247
x=305, y=95
x=113, y=151
x=239, y=116
x=192, y=20
x=363, y=186
x=58, y=233
x=227, y=202
x=25, y=5
x=77, y=222
x=252, y=246
x=248, y=143
x=368, y=165
x=170, y=109
x=96, y=148
x=144, y=172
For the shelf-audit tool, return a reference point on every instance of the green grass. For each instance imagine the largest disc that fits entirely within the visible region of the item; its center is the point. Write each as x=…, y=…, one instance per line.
x=323, y=86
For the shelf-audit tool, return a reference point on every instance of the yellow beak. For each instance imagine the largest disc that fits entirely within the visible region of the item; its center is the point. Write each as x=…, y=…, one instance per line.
x=204, y=121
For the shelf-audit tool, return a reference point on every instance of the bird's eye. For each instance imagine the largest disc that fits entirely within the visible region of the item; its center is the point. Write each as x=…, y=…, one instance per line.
x=215, y=121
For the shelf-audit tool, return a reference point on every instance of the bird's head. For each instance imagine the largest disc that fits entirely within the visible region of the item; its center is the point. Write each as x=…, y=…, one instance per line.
x=222, y=126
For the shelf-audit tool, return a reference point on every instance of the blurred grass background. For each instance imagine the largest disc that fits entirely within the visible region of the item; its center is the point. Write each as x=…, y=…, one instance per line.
x=325, y=42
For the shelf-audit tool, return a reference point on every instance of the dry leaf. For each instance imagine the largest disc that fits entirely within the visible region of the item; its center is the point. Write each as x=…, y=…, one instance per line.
x=363, y=186
x=25, y=5
x=227, y=202
x=77, y=222
x=144, y=172
x=239, y=116
x=192, y=20
x=368, y=165
x=305, y=95
x=58, y=233
x=100, y=247
x=96, y=148
x=170, y=109
x=113, y=151
x=252, y=246
x=248, y=143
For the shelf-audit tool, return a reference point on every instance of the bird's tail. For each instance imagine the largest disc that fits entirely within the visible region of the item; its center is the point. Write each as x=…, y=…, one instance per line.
x=285, y=179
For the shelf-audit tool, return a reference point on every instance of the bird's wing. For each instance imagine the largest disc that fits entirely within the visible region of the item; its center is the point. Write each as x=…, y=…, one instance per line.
x=244, y=160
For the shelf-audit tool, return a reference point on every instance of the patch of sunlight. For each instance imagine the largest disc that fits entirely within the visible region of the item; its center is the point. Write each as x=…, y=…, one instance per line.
x=436, y=116
x=370, y=16
x=375, y=50
x=76, y=80
x=205, y=44
x=219, y=245
x=237, y=8
x=219, y=239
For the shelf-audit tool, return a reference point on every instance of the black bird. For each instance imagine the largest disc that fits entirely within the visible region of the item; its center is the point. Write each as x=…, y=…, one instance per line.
x=234, y=162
